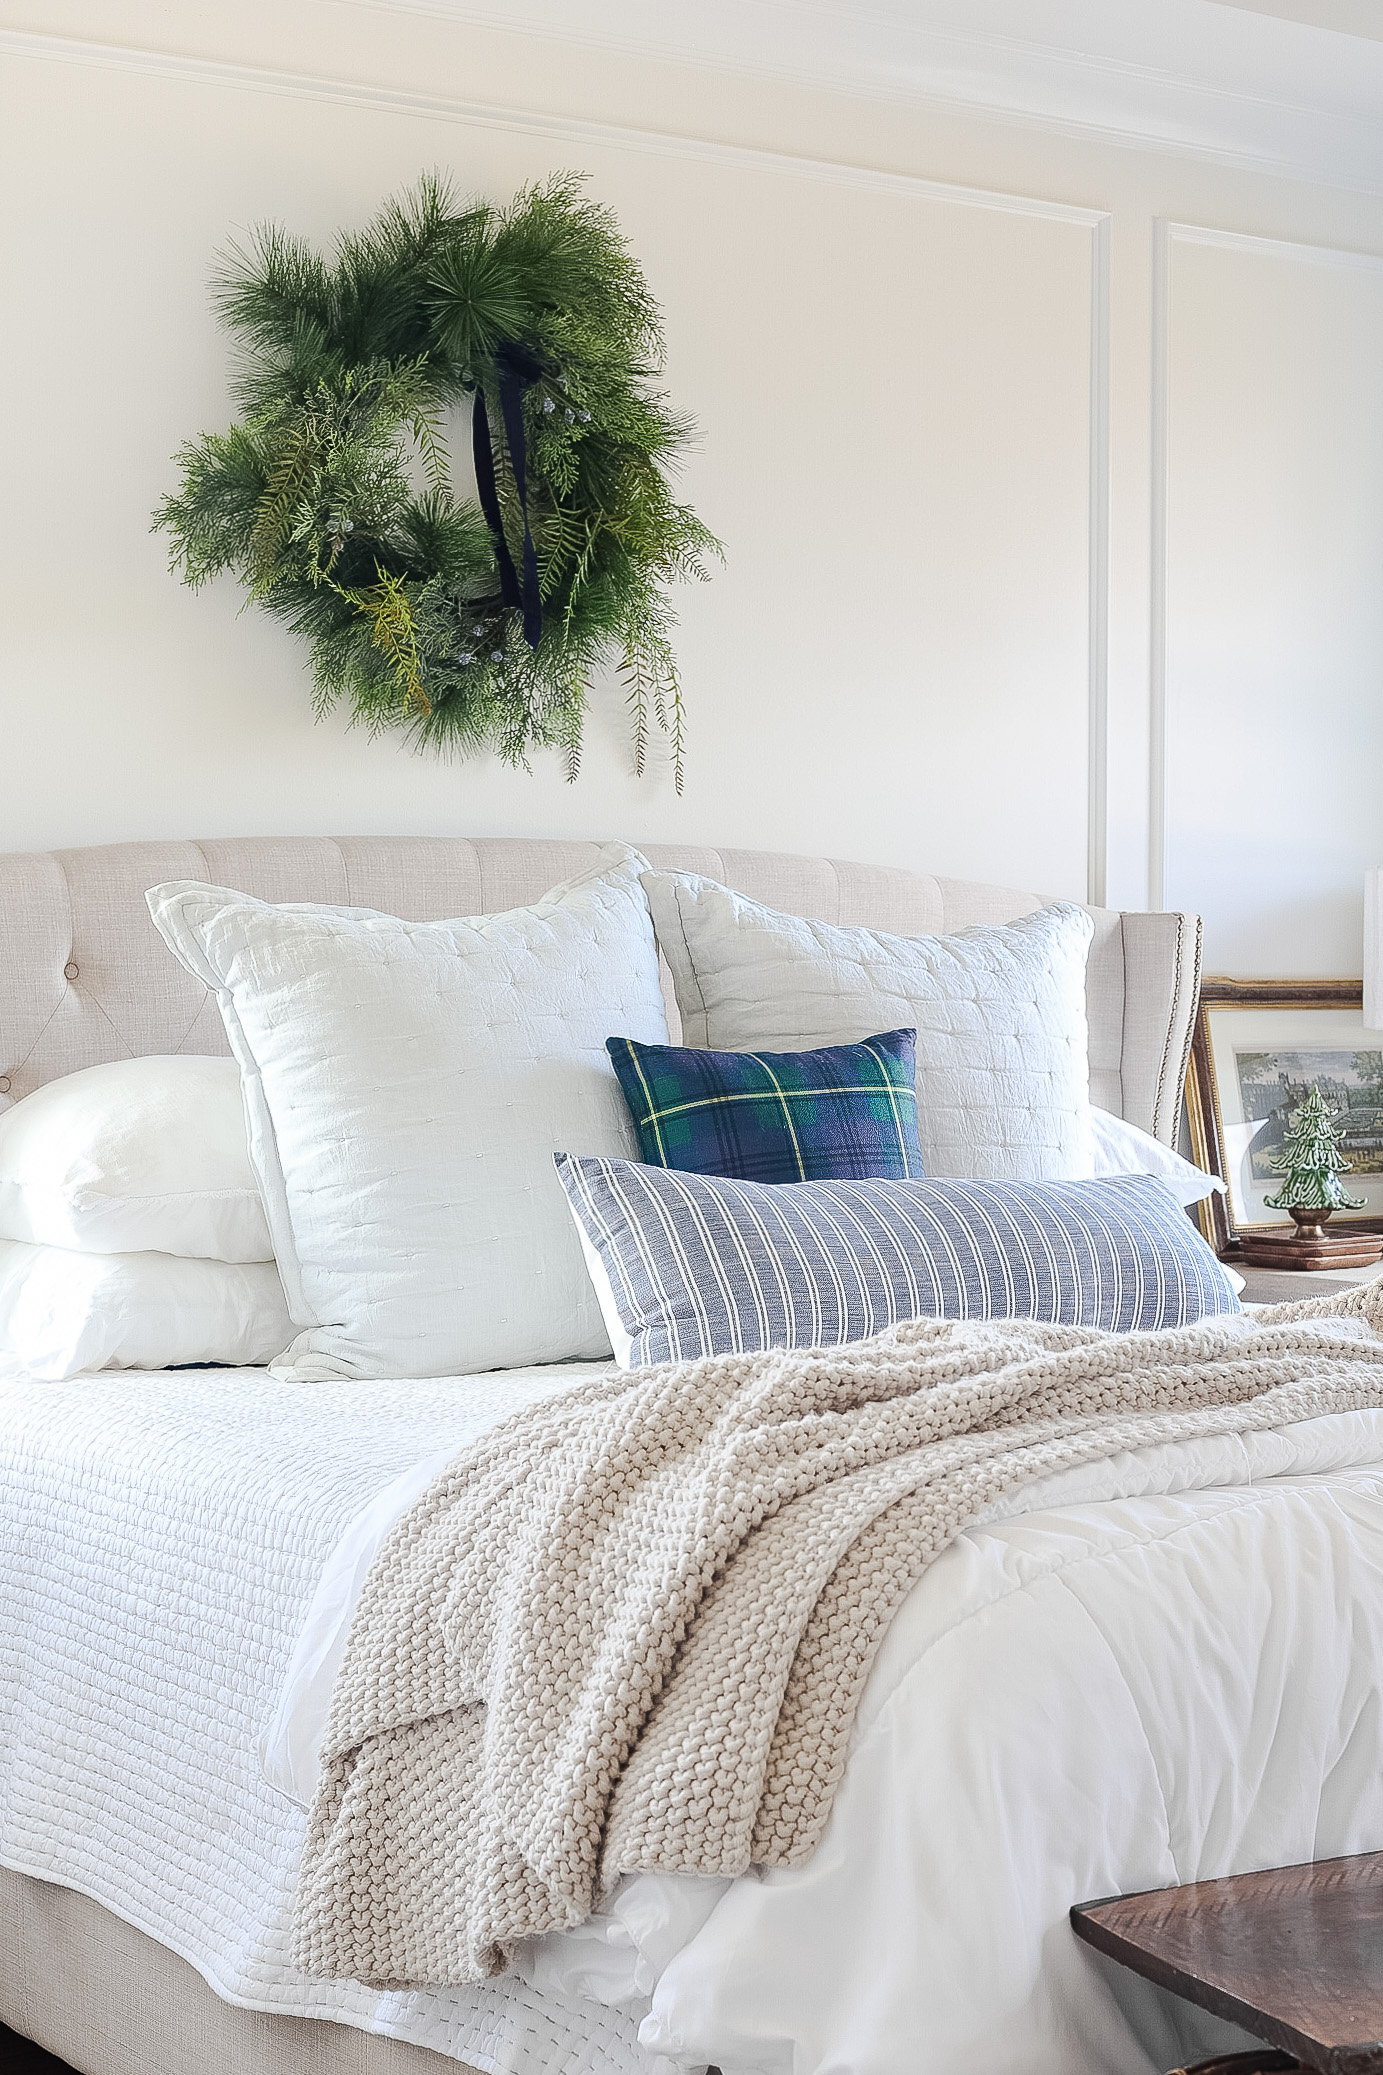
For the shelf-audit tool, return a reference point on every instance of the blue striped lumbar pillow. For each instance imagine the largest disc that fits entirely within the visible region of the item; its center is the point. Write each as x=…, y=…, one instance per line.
x=689, y=1265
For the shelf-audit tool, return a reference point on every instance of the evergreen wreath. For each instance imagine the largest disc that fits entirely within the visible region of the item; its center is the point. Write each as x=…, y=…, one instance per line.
x=468, y=625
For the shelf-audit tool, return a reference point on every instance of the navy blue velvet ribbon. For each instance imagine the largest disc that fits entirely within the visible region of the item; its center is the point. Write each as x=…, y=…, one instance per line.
x=518, y=371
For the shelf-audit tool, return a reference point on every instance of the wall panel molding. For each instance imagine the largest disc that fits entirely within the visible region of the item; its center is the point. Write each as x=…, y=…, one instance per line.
x=1159, y=411
x=1167, y=235
x=1097, y=779
x=181, y=67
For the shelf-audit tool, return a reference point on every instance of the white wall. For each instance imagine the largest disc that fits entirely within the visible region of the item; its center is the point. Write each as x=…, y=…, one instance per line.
x=930, y=444
x=1274, y=598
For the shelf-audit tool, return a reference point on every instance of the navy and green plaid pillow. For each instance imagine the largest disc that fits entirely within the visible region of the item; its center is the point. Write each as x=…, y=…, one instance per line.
x=844, y=1113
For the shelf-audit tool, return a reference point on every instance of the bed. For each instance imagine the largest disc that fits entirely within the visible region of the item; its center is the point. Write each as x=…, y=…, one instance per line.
x=1028, y=1737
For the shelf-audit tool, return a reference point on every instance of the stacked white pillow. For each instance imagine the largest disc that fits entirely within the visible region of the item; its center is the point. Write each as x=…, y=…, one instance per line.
x=1121, y=1148
x=132, y=1233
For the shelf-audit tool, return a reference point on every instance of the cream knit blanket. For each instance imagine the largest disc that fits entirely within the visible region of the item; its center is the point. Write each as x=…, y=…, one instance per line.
x=630, y=1627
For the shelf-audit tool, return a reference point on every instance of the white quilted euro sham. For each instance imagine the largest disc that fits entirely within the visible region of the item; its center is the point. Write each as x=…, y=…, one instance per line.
x=1003, y=1077
x=406, y=1086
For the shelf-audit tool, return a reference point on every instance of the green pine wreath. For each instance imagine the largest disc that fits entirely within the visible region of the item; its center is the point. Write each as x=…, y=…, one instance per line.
x=469, y=625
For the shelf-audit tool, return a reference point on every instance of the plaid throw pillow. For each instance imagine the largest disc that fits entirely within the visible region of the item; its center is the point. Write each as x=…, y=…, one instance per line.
x=844, y=1113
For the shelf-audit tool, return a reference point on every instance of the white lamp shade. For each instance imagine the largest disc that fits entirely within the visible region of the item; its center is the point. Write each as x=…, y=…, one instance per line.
x=1373, y=950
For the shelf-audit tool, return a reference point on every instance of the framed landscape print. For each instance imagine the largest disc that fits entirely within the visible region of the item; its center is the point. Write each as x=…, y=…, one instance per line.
x=1259, y=1046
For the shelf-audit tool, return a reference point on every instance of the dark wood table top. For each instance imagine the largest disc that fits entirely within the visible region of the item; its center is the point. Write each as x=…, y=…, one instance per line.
x=1294, y=1955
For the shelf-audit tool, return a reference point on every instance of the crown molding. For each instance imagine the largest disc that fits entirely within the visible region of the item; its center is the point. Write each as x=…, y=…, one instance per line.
x=1274, y=96
x=531, y=122
x=1344, y=17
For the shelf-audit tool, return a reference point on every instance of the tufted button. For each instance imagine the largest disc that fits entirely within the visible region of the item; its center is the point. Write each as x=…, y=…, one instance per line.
x=4, y=1084
x=71, y=969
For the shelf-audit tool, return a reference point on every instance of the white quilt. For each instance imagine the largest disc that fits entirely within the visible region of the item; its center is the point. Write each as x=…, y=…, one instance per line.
x=1162, y=1668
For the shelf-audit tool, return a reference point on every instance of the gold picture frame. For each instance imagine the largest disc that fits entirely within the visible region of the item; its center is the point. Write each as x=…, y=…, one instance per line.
x=1256, y=1043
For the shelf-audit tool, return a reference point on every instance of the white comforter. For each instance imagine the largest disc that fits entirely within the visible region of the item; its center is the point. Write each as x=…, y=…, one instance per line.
x=1158, y=1669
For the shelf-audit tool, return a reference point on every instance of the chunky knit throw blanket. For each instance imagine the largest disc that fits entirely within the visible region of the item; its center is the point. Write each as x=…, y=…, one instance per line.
x=630, y=1627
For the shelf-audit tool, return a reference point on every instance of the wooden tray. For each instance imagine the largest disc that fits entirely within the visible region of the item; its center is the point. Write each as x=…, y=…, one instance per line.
x=1283, y=1246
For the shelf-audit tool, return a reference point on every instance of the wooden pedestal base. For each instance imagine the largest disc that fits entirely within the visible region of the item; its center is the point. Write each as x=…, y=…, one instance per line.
x=1285, y=1246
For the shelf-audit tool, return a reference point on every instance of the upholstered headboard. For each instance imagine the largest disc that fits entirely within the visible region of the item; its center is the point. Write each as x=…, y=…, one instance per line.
x=85, y=978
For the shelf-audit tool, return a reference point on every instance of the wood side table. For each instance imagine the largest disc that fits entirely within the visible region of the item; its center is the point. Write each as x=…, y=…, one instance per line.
x=1294, y=1955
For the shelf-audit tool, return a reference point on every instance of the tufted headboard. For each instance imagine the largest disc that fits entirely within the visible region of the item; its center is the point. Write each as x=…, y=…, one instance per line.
x=84, y=977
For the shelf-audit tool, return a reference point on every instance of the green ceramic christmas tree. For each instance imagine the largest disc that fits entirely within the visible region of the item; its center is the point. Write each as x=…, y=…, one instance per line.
x=1311, y=1162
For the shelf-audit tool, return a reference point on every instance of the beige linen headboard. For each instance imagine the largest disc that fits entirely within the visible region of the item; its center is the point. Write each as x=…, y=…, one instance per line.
x=85, y=978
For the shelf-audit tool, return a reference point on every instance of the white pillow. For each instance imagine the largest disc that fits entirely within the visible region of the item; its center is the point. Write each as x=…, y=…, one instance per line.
x=62, y=1313
x=406, y=1085
x=140, y=1154
x=1121, y=1148
x=1002, y=1044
